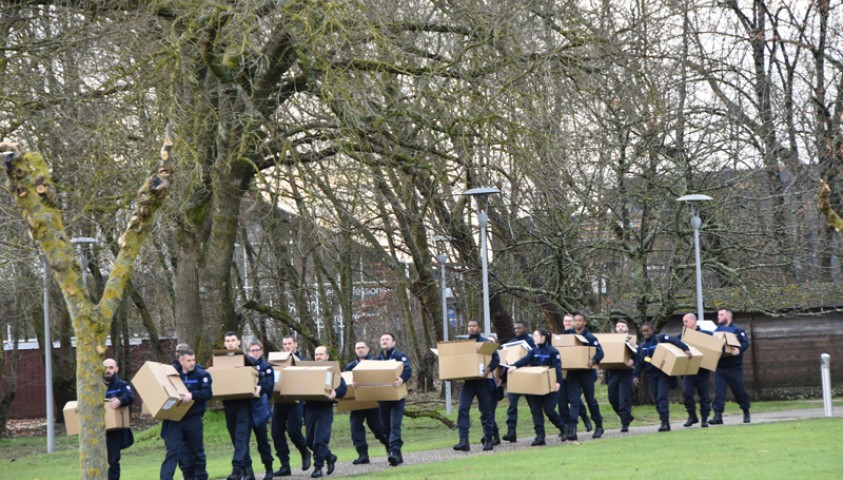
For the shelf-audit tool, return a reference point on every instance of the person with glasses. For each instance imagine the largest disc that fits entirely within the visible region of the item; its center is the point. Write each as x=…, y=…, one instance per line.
x=260, y=410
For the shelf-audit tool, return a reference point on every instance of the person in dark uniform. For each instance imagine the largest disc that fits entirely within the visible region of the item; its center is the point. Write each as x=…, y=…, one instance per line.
x=118, y=393
x=544, y=355
x=476, y=388
x=495, y=396
x=392, y=412
x=619, y=381
x=730, y=370
x=183, y=439
x=186, y=471
x=696, y=383
x=287, y=420
x=658, y=380
x=371, y=416
x=237, y=416
x=260, y=410
x=521, y=334
x=581, y=382
x=564, y=403
x=318, y=419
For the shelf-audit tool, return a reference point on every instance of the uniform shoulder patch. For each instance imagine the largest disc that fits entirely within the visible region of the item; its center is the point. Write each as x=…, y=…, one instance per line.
x=205, y=380
x=559, y=357
x=268, y=371
x=128, y=387
x=596, y=343
x=667, y=337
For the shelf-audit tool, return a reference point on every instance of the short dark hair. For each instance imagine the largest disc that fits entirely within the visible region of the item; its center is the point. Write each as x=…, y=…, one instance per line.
x=623, y=320
x=544, y=333
x=186, y=351
x=522, y=323
x=648, y=324
x=390, y=334
x=231, y=334
x=473, y=321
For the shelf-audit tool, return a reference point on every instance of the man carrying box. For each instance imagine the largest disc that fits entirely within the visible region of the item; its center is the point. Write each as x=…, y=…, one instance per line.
x=543, y=355
x=696, y=383
x=287, y=420
x=521, y=334
x=581, y=382
x=730, y=370
x=476, y=388
x=118, y=393
x=237, y=413
x=392, y=412
x=371, y=416
x=318, y=419
x=183, y=439
x=620, y=384
x=260, y=410
x=658, y=380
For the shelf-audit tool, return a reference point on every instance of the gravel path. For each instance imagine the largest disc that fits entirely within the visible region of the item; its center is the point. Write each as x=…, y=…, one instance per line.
x=379, y=463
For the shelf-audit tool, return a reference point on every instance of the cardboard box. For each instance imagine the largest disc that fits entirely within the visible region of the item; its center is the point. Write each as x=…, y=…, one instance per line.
x=281, y=360
x=374, y=379
x=731, y=341
x=710, y=346
x=160, y=387
x=513, y=351
x=308, y=382
x=618, y=350
x=349, y=403
x=224, y=358
x=673, y=361
x=114, y=418
x=574, y=350
x=464, y=360
x=532, y=381
x=234, y=383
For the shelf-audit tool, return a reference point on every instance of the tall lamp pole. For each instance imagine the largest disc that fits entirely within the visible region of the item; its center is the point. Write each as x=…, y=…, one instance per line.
x=481, y=194
x=48, y=361
x=442, y=258
x=696, y=222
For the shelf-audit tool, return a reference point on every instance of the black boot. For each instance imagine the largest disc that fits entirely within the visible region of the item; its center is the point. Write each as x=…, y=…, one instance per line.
x=746, y=418
x=332, y=462
x=572, y=433
x=586, y=422
x=317, y=472
x=362, y=457
x=393, y=457
x=598, y=430
x=692, y=419
x=717, y=420
x=539, y=440
x=249, y=474
x=284, y=471
x=624, y=427
x=236, y=474
x=665, y=426
x=704, y=423
x=510, y=435
x=463, y=445
x=306, y=458
x=268, y=475
x=489, y=444
x=563, y=432
x=496, y=438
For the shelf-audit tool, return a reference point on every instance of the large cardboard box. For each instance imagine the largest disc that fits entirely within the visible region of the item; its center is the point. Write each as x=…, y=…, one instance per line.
x=234, y=383
x=280, y=361
x=574, y=351
x=349, y=402
x=308, y=382
x=374, y=379
x=710, y=346
x=464, y=360
x=224, y=358
x=618, y=350
x=513, y=351
x=531, y=381
x=160, y=387
x=731, y=341
x=673, y=361
x=115, y=418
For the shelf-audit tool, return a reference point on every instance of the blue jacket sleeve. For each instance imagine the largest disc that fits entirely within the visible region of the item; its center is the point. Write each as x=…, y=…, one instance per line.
x=674, y=341
x=342, y=389
x=266, y=377
x=598, y=354
x=557, y=365
x=496, y=361
x=126, y=395
x=408, y=371
x=204, y=393
x=639, y=360
x=525, y=360
x=741, y=334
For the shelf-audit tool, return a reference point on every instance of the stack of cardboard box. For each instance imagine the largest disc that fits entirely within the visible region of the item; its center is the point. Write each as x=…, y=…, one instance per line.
x=310, y=381
x=574, y=350
x=160, y=387
x=280, y=361
x=115, y=418
x=375, y=378
x=710, y=346
x=464, y=360
x=232, y=378
x=350, y=402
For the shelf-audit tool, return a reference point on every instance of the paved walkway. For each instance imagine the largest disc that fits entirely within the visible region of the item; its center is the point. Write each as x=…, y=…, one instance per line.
x=379, y=463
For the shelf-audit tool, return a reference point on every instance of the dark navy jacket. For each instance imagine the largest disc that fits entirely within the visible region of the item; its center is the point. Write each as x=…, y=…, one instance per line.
x=266, y=374
x=121, y=389
x=401, y=357
x=736, y=361
x=198, y=382
x=526, y=338
x=646, y=349
x=327, y=404
x=350, y=365
x=496, y=360
x=544, y=355
x=592, y=342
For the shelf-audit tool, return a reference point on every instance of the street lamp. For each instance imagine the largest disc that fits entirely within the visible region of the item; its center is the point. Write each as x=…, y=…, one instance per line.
x=482, y=195
x=442, y=257
x=696, y=222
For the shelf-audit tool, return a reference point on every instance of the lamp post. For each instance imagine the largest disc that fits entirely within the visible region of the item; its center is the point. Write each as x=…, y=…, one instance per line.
x=482, y=195
x=442, y=258
x=696, y=222
x=48, y=361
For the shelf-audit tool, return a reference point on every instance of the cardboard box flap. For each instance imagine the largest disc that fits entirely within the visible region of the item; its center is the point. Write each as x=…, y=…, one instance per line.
x=517, y=343
x=377, y=372
x=282, y=359
x=568, y=340
x=486, y=348
x=334, y=366
x=224, y=358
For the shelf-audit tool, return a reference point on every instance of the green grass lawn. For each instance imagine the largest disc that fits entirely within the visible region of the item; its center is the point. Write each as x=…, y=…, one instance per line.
x=26, y=458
